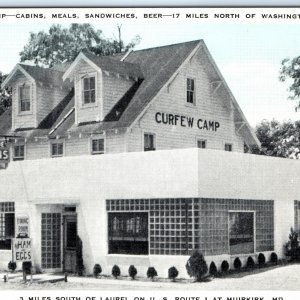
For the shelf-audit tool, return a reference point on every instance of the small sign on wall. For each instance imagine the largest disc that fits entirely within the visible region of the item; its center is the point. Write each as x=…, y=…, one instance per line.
x=22, y=226
x=21, y=249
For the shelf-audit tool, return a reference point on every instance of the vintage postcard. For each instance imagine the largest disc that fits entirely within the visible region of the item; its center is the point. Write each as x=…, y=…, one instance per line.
x=149, y=153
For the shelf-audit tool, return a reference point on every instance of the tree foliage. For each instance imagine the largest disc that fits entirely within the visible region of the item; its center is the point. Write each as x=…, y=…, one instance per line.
x=290, y=70
x=5, y=96
x=279, y=139
x=61, y=44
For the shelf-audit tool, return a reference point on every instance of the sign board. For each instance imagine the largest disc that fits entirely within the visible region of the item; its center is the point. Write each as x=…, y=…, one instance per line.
x=22, y=226
x=4, y=151
x=21, y=249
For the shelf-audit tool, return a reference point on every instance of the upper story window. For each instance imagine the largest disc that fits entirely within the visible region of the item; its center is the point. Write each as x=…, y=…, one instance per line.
x=228, y=147
x=24, y=98
x=98, y=146
x=89, y=95
x=201, y=144
x=190, y=91
x=149, y=142
x=57, y=149
x=19, y=152
x=7, y=224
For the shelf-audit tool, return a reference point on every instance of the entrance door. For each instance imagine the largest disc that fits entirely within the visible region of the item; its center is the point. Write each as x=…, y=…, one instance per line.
x=70, y=234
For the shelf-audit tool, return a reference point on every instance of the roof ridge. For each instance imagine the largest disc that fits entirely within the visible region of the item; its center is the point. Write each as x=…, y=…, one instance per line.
x=165, y=46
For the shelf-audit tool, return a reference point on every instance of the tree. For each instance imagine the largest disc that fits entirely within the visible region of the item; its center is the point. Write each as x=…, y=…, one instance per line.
x=5, y=96
x=281, y=140
x=63, y=44
x=290, y=70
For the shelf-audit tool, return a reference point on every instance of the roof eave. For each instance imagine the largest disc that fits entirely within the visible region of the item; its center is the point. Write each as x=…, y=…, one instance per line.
x=8, y=79
x=81, y=56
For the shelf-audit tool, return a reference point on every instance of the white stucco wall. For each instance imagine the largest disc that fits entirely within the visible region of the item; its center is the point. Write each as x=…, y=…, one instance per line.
x=88, y=181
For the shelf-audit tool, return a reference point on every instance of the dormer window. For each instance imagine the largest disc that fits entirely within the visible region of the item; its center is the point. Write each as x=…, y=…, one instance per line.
x=24, y=98
x=89, y=89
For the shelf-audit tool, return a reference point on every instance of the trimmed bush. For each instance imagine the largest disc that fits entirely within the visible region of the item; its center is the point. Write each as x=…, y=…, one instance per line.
x=237, y=264
x=12, y=266
x=132, y=271
x=196, y=266
x=261, y=259
x=274, y=258
x=97, y=270
x=115, y=271
x=172, y=273
x=224, y=266
x=250, y=262
x=213, y=269
x=151, y=272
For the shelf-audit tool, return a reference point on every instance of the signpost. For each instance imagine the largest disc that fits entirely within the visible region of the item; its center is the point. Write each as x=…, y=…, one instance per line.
x=4, y=154
x=22, y=250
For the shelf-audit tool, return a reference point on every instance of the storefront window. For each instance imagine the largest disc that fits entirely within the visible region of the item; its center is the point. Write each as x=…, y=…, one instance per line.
x=241, y=232
x=7, y=224
x=128, y=233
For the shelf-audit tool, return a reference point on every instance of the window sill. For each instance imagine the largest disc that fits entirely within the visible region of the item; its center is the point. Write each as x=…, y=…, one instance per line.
x=191, y=105
x=18, y=158
x=25, y=113
x=97, y=153
x=56, y=156
x=89, y=105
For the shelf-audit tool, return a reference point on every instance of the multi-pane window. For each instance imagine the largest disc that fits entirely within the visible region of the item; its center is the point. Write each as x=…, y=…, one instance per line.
x=228, y=147
x=97, y=146
x=89, y=90
x=24, y=98
x=19, y=152
x=51, y=240
x=190, y=90
x=201, y=144
x=128, y=233
x=7, y=224
x=241, y=232
x=149, y=142
x=57, y=149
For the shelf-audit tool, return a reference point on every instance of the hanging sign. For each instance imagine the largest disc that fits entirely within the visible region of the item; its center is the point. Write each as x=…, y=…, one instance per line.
x=22, y=226
x=21, y=250
x=4, y=151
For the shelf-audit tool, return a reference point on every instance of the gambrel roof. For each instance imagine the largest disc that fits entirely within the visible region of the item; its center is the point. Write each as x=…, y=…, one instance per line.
x=152, y=69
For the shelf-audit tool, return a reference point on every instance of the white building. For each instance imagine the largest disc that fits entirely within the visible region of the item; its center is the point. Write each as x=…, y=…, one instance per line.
x=129, y=206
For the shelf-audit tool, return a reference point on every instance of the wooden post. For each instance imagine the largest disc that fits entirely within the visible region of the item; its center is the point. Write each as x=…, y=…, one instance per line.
x=66, y=277
x=5, y=278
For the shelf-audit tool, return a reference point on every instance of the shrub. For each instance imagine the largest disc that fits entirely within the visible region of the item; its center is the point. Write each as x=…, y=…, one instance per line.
x=97, y=270
x=237, y=264
x=274, y=258
x=12, y=266
x=224, y=266
x=132, y=271
x=196, y=266
x=151, y=272
x=213, y=269
x=172, y=273
x=250, y=262
x=261, y=259
x=115, y=271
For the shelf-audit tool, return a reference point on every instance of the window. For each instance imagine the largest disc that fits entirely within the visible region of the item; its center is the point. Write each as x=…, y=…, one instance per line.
x=201, y=144
x=24, y=98
x=149, y=142
x=89, y=90
x=228, y=147
x=7, y=224
x=97, y=146
x=19, y=152
x=128, y=233
x=241, y=232
x=190, y=91
x=57, y=149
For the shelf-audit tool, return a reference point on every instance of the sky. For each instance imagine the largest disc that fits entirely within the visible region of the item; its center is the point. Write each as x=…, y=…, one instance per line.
x=248, y=56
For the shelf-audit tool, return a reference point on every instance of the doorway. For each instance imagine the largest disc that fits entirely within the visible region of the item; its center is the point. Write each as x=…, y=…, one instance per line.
x=69, y=242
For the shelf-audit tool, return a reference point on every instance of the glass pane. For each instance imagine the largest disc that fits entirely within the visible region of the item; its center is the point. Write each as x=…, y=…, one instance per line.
x=71, y=234
x=86, y=96
x=241, y=232
x=86, y=85
x=92, y=83
x=92, y=96
x=9, y=224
